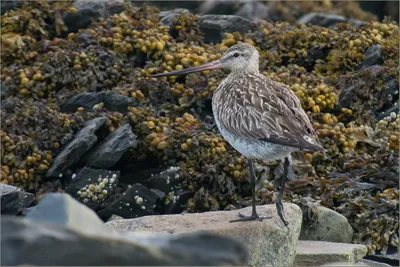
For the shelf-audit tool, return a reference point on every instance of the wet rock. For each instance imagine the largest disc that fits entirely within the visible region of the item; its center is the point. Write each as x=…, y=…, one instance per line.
x=71, y=154
x=327, y=226
x=253, y=10
x=327, y=20
x=316, y=253
x=373, y=56
x=313, y=54
x=269, y=242
x=7, y=5
x=60, y=227
x=109, y=152
x=136, y=201
x=90, y=10
x=82, y=181
x=178, y=202
x=213, y=27
x=167, y=17
x=14, y=200
x=112, y=102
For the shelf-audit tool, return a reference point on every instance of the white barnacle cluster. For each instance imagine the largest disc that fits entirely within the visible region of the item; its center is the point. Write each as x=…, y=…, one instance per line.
x=99, y=190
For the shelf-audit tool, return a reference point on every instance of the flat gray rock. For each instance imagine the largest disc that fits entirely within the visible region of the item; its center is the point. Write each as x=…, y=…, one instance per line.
x=83, y=141
x=328, y=225
x=316, y=253
x=269, y=242
x=109, y=152
x=60, y=227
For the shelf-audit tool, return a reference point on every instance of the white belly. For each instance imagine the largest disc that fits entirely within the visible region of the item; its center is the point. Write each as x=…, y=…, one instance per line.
x=256, y=149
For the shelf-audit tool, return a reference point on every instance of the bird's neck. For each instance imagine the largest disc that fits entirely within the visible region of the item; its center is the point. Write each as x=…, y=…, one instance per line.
x=241, y=71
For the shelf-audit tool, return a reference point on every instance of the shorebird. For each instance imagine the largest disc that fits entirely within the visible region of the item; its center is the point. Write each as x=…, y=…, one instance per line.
x=260, y=118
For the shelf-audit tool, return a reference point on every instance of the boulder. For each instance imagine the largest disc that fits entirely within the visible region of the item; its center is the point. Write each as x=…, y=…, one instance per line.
x=316, y=253
x=254, y=10
x=213, y=27
x=112, y=102
x=328, y=225
x=269, y=242
x=60, y=227
x=90, y=10
x=7, y=5
x=14, y=200
x=109, y=152
x=83, y=141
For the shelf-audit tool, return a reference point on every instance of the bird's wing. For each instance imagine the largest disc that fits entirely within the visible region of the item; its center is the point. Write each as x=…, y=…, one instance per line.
x=257, y=108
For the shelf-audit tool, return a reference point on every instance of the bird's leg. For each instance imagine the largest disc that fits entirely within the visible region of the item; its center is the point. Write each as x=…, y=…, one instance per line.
x=279, y=205
x=254, y=215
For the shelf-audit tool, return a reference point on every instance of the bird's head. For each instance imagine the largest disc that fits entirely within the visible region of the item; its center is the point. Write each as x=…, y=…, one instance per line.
x=241, y=57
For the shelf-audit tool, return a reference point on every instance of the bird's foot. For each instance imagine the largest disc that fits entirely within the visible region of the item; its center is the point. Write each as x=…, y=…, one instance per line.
x=253, y=217
x=281, y=214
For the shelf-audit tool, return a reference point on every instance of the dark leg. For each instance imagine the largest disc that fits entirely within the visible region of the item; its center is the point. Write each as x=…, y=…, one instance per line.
x=254, y=215
x=279, y=205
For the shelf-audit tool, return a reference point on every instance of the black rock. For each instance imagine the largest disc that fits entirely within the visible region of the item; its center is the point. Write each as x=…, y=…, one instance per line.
x=177, y=204
x=14, y=200
x=90, y=10
x=373, y=56
x=109, y=152
x=135, y=202
x=392, y=259
x=81, y=181
x=313, y=54
x=7, y=5
x=112, y=102
x=227, y=7
x=9, y=104
x=327, y=20
x=213, y=27
x=30, y=243
x=83, y=141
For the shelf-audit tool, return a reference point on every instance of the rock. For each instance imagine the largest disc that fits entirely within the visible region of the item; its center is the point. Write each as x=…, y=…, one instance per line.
x=82, y=142
x=329, y=225
x=167, y=17
x=376, y=263
x=136, y=201
x=9, y=104
x=253, y=10
x=109, y=152
x=7, y=5
x=62, y=209
x=315, y=253
x=60, y=227
x=326, y=19
x=112, y=102
x=213, y=27
x=373, y=56
x=90, y=10
x=178, y=202
x=269, y=242
x=14, y=200
x=114, y=218
x=81, y=182
x=313, y=54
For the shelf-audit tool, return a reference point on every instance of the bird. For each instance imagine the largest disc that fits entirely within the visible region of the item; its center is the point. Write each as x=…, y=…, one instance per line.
x=260, y=118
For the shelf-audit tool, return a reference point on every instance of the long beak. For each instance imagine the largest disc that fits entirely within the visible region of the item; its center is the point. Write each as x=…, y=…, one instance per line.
x=208, y=66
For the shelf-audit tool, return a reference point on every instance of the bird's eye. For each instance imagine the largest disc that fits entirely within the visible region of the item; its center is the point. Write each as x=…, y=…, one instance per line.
x=236, y=55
